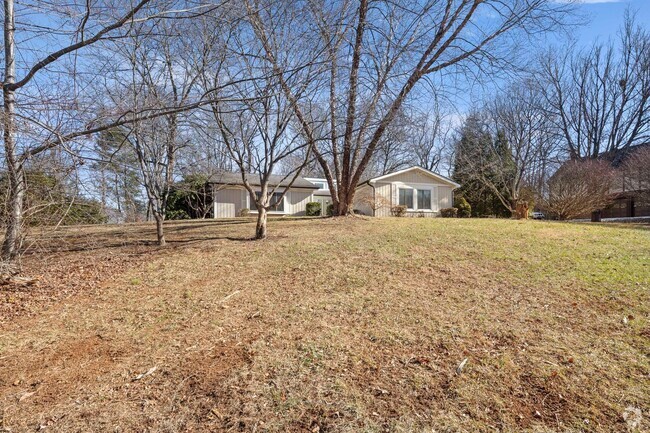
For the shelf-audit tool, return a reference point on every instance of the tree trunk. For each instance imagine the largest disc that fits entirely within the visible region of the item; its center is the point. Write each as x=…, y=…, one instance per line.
x=344, y=208
x=13, y=233
x=15, y=171
x=159, y=229
x=345, y=201
x=521, y=211
x=260, y=228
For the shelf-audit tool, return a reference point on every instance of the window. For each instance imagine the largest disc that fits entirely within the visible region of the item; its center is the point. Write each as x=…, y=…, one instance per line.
x=424, y=199
x=277, y=205
x=320, y=185
x=406, y=197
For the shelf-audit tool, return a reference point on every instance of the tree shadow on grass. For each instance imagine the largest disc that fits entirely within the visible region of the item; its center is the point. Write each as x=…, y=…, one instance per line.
x=131, y=239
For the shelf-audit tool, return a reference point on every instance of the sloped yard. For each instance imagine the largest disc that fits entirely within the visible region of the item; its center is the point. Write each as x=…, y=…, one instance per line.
x=353, y=325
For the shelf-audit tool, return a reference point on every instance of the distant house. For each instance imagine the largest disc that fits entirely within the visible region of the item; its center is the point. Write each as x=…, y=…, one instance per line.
x=629, y=192
x=421, y=191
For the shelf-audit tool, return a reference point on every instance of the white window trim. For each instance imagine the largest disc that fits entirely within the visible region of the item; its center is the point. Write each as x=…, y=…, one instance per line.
x=414, y=196
x=270, y=212
x=325, y=189
x=431, y=197
x=420, y=187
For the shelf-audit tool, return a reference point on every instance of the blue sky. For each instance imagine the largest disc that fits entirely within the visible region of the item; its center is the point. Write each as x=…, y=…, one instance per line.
x=606, y=16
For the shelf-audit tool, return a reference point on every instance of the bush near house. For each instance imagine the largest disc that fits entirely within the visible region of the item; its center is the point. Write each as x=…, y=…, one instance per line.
x=313, y=208
x=398, y=211
x=463, y=206
x=244, y=212
x=330, y=209
x=177, y=214
x=190, y=198
x=449, y=212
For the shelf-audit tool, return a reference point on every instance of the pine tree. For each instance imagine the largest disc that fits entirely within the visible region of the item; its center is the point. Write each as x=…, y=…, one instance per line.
x=117, y=170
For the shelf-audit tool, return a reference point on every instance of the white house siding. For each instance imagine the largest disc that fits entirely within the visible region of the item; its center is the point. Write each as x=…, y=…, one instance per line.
x=384, y=189
x=296, y=202
x=359, y=203
x=413, y=176
x=228, y=202
x=445, y=196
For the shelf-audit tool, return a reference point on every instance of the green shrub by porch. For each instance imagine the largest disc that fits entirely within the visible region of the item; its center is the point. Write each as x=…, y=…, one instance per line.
x=312, y=208
x=464, y=208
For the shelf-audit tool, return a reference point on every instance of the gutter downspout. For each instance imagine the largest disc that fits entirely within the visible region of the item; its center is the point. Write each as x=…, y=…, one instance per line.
x=374, y=196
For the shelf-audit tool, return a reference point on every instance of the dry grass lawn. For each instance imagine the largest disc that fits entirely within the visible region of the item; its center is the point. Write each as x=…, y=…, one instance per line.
x=352, y=325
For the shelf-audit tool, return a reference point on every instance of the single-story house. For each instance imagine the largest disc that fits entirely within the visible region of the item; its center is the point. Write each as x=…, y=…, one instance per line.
x=421, y=191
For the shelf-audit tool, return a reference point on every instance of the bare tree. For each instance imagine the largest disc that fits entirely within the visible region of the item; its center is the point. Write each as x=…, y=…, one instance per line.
x=258, y=133
x=600, y=98
x=579, y=188
x=45, y=93
x=430, y=138
x=164, y=73
x=373, y=56
x=414, y=137
x=374, y=201
x=115, y=171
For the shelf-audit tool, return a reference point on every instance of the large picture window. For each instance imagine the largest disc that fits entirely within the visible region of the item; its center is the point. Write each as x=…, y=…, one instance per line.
x=406, y=197
x=277, y=204
x=424, y=199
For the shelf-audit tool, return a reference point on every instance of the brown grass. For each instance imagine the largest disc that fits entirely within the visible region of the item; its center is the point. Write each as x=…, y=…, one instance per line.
x=334, y=326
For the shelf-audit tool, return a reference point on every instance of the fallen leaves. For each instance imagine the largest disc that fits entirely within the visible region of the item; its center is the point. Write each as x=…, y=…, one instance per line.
x=460, y=367
x=145, y=374
x=25, y=396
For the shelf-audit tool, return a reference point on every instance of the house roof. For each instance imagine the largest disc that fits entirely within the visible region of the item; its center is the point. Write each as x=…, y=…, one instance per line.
x=418, y=168
x=618, y=157
x=230, y=178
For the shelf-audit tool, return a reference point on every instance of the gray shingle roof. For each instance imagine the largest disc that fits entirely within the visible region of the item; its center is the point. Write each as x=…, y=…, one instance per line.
x=229, y=178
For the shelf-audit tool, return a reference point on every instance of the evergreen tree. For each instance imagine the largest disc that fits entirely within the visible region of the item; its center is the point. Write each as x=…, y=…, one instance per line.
x=477, y=144
x=118, y=183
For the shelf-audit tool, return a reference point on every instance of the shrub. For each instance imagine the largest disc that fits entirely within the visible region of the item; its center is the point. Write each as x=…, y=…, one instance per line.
x=463, y=207
x=176, y=214
x=49, y=201
x=578, y=188
x=244, y=212
x=312, y=208
x=330, y=209
x=190, y=198
x=374, y=202
x=398, y=211
x=449, y=212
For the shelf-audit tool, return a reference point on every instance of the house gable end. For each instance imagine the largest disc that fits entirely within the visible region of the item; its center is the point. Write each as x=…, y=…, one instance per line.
x=415, y=175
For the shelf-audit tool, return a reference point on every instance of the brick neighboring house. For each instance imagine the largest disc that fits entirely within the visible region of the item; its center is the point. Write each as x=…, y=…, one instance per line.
x=630, y=196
